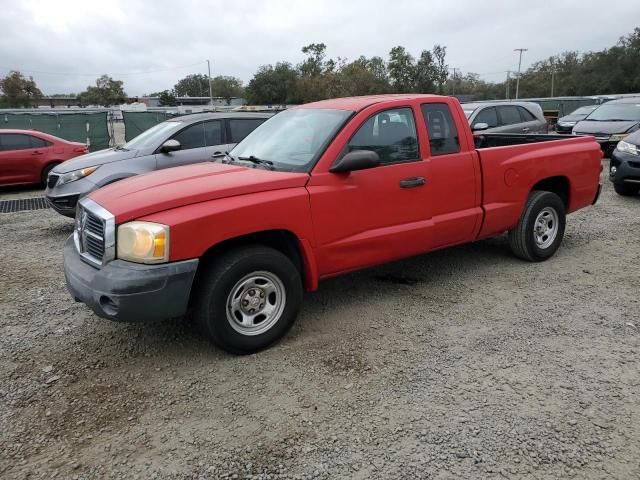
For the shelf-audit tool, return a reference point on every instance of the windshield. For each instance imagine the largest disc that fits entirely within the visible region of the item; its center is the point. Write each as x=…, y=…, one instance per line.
x=468, y=110
x=153, y=137
x=294, y=139
x=619, y=111
x=584, y=110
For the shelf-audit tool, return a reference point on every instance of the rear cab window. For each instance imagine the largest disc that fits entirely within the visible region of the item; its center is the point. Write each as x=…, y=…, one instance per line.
x=441, y=128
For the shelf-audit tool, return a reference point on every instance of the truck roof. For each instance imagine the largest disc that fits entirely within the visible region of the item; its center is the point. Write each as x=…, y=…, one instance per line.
x=356, y=104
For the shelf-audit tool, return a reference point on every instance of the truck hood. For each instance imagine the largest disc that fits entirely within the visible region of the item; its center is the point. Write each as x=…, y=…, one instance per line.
x=607, y=128
x=162, y=190
x=96, y=158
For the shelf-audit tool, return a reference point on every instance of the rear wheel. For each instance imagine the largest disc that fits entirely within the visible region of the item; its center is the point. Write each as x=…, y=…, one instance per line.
x=626, y=189
x=45, y=173
x=248, y=299
x=540, y=229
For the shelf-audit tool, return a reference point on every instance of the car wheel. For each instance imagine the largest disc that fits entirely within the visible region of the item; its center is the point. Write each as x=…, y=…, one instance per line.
x=626, y=189
x=248, y=298
x=45, y=173
x=540, y=229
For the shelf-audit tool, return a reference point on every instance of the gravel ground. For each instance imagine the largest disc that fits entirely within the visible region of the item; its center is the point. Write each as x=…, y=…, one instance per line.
x=465, y=363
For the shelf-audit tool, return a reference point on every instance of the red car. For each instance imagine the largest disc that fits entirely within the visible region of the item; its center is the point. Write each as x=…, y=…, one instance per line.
x=27, y=156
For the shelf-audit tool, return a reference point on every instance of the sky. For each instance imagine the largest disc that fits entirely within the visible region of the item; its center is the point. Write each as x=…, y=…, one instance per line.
x=150, y=45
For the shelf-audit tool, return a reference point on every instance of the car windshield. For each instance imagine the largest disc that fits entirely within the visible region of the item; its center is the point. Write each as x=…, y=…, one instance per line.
x=294, y=139
x=584, y=110
x=620, y=112
x=468, y=110
x=153, y=137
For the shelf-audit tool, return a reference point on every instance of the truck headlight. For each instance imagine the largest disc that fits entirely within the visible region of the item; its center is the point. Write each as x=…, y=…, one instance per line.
x=143, y=242
x=76, y=175
x=627, y=147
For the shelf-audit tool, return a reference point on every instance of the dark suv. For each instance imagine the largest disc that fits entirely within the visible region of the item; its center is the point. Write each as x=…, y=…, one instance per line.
x=624, y=168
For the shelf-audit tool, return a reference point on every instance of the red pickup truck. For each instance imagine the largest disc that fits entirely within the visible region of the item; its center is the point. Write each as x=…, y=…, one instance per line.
x=317, y=191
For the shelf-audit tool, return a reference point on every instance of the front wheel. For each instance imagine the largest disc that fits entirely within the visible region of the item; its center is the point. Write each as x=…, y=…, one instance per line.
x=540, y=229
x=248, y=299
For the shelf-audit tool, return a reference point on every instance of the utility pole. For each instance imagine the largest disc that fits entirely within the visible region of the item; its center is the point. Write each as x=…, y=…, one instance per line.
x=519, y=67
x=553, y=74
x=506, y=93
x=453, y=92
x=210, y=89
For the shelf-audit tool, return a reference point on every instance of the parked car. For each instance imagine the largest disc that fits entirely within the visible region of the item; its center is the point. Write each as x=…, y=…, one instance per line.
x=565, y=124
x=506, y=117
x=317, y=191
x=27, y=156
x=624, y=167
x=611, y=122
x=179, y=141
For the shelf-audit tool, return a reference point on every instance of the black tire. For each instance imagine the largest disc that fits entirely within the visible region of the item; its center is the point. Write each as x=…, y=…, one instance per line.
x=522, y=239
x=626, y=189
x=222, y=277
x=45, y=173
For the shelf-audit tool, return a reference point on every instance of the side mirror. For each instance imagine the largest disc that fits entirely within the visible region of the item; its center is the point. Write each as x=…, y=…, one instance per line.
x=480, y=126
x=170, y=146
x=356, y=160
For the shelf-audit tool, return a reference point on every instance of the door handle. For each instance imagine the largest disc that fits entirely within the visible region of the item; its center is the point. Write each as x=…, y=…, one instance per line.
x=36, y=153
x=412, y=182
x=217, y=154
x=526, y=130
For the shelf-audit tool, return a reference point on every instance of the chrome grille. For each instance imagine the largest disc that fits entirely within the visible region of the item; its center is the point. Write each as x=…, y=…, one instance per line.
x=94, y=233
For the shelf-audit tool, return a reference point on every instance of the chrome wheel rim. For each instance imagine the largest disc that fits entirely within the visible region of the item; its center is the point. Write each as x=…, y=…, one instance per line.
x=545, y=228
x=255, y=303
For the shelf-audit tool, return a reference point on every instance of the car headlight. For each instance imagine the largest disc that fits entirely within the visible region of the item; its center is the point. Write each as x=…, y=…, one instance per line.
x=617, y=138
x=628, y=148
x=76, y=175
x=567, y=124
x=143, y=242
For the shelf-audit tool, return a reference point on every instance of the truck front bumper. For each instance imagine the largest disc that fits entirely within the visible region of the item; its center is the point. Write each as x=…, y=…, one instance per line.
x=130, y=292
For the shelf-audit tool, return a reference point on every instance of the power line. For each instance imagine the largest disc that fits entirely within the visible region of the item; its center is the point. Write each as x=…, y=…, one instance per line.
x=120, y=74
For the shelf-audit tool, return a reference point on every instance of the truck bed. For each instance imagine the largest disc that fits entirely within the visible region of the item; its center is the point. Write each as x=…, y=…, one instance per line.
x=488, y=140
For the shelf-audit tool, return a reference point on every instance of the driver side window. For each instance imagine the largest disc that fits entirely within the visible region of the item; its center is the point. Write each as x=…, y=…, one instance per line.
x=192, y=137
x=391, y=134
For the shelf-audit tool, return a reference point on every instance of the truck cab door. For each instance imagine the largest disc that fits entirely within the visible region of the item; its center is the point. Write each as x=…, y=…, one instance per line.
x=454, y=177
x=370, y=216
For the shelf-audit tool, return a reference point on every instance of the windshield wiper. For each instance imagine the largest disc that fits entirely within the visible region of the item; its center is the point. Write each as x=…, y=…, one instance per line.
x=257, y=161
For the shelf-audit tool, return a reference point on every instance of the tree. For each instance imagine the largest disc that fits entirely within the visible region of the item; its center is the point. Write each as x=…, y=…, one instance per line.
x=18, y=91
x=106, y=92
x=364, y=77
x=401, y=70
x=273, y=85
x=167, y=98
x=314, y=65
x=425, y=73
x=439, y=54
x=227, y=87
x=195, y=85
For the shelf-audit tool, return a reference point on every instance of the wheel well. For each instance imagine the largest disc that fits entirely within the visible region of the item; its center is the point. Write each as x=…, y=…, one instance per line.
x=282, y=240
x=557, y=185
x=48, y=166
